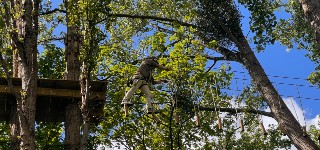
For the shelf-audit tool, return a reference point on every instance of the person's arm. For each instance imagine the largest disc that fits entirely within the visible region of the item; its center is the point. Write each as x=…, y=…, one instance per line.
x=163, y=67
x=156, y=65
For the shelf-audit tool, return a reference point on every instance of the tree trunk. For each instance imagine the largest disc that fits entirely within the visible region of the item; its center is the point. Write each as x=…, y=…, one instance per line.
x=85, y=84
x=14, y=128
x=311, y=9
x=14, y=121
x=287, y=122
x=25, y=39
x=72, y=114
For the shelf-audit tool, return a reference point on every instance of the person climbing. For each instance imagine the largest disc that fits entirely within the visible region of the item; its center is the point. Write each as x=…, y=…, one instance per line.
x=140, y=80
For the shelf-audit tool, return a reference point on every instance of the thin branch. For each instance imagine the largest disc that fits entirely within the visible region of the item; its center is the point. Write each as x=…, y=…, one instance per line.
x=234, y=39
x=222, y=109
x=149, y=17
x=215, y=61
x=51, y=39
x=8, y=76
x=228, y=54
x=163, y=29
x=13, y=33
x=52, y=11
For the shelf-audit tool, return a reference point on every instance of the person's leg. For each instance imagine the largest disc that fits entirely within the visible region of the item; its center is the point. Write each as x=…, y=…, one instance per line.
x=145, y=89
x=136, y=84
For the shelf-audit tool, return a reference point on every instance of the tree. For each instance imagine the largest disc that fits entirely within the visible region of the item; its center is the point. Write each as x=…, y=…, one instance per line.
x=311, y=14
x=185, y=35
x=218, y=28
x=24, y=31
x=72, y=52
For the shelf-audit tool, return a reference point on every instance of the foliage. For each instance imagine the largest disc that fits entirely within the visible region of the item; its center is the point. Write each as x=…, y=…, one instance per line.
x=113, y=48
x=51, y=63
x=314, y=133
x=190, y=85
x=218, y=20
x=262, y=21
x=49, y=136
x=290, y=29
x=4, y=136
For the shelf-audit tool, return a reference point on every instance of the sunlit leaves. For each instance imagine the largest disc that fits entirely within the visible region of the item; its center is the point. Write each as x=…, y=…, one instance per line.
x=262, y=21
x=51, y=63
x=4, y=136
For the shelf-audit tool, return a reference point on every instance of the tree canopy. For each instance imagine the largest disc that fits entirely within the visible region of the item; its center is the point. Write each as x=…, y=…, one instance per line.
x=198, y=40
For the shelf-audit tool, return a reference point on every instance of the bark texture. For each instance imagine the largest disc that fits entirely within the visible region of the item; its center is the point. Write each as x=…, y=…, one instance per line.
x=14, y=121
x=72, y=114
x=287, y=122
x=311, y=9
x=14, y=128
x=85, y=84
x=24, y=37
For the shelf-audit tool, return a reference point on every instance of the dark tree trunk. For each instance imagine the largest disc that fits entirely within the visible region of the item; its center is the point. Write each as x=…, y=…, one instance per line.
x=14, y=121
x=72, y=114
x=14, y=128
x=72, y=119
x=25, y=40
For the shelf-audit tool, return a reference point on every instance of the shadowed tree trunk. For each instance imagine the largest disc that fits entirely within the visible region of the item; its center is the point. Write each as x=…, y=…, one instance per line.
x=14, y=122
x=72, y=114
x=24, y=33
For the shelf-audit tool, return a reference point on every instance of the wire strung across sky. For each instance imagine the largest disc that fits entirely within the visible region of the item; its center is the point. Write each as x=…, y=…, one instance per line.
x=276, y=83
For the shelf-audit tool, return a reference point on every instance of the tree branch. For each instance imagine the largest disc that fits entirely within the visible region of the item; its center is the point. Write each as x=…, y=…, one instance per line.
x=51, y=39
x=234, y=39
x=215, y=61
x=52, y=11
x=12, y=31
x=163, y=29
x=229, y=110
x=8, y=76
x=149, y=17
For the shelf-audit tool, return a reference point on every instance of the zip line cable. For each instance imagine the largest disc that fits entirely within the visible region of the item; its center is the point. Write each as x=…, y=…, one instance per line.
x=275, y=76
x=282, y=83
x=304, y=119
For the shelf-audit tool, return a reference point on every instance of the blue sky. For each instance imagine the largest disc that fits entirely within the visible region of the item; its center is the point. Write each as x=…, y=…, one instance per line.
x=292, y=64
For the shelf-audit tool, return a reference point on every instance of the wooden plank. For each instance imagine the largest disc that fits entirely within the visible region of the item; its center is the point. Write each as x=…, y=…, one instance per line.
x=96, y=86
x=4, y=89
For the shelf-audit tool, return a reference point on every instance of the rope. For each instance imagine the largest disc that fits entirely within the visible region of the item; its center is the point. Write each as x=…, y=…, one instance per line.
x=294, y=108
x=291, y=84
x=305, y=123
x=275, y=76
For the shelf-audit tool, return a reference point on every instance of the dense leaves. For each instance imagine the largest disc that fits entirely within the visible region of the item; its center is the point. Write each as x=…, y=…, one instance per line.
x=113, y=48
x=218, y=20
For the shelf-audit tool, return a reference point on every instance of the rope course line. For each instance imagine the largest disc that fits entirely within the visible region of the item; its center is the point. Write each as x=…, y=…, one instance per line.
x=275, y=76
x=305, y=123
x=305, y=98
x=282, y=83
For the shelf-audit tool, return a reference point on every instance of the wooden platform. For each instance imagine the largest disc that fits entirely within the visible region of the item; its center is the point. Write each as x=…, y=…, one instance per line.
x=52, y=98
